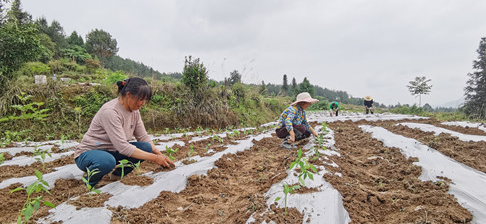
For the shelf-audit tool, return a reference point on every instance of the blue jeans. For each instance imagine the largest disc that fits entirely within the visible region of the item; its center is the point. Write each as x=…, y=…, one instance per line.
x=105, y=161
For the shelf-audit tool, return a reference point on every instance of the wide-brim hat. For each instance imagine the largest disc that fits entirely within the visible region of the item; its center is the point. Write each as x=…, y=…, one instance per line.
x=304, y=97
x=368, y=98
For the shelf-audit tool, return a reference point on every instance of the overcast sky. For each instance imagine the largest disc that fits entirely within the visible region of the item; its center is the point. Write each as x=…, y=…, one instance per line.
x=363, y=47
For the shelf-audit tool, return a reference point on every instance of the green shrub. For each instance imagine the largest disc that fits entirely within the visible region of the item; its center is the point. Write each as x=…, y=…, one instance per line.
x=195, y=74
x=114, y=77
x=91, y=102
x=321, y=105
x=92, y=65
x=35, y=68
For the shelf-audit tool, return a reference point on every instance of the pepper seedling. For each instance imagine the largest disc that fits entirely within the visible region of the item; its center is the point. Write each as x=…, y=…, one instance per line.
x=287, y=189
x=191, y=151
x=304, y=166
x=32, y=204
x=90, y=173
x=42, y=154
x=170, y=151
x=122, y=164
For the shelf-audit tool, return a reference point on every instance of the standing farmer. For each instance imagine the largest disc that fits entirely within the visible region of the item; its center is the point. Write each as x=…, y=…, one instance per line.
x=113, y=126
x=368, y=102
x=334, y=106
x=293, y=121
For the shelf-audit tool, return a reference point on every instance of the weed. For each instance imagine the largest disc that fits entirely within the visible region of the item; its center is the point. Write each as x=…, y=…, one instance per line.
x=170, y=151
x=32, y=204
x=90, y=173
x=49, y=136
x=27, y=111
x=287, y=189
x=2, y=158
x=42, y=154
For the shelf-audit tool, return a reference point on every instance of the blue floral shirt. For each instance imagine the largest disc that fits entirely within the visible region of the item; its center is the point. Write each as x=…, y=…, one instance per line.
x=294, y=115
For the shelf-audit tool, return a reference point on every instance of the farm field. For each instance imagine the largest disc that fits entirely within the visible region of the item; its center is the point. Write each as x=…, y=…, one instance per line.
x=378, y=168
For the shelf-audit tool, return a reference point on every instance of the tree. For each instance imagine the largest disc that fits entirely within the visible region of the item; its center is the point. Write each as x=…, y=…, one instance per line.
x=419, y=87
x=305, y=86
x=235, y=77
x=76, y=54
x=428, y=108
x=475, y=91
x=100, y=43
x=16, y=15
x=285, y=85
x=263, y=89
x=293, y=89
x=195, y=75
x=19, y=43
x=75, y=39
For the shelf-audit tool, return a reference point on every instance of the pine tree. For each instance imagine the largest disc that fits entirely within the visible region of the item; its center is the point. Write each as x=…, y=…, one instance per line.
x=475, y=91
x=305, y=86
x=293, y=89
x=285, y=85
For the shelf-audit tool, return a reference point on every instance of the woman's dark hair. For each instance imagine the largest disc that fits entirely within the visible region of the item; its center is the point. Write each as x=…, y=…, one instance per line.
x=136, y=87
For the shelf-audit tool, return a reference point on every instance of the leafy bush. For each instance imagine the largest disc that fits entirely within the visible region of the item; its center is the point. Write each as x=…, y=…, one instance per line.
x=238, y=93
x=115, y=76
x=35, y=68
x=91, y=102
x=195, y=74
x=323, y=104
x=92, y=65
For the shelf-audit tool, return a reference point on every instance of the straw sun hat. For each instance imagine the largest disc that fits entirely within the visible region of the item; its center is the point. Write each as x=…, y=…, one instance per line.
x=368, y=98
x=304, y=97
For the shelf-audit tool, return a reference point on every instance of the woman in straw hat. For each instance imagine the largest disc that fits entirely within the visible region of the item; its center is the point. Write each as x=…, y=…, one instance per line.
x=293, y=122
x=368, y=102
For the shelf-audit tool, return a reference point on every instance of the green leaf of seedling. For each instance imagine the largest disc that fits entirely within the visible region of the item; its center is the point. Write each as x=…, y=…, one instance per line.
x=49, y=204
x=313, y=168
x=311, y=176
x=97, y=191
x=16, y=189
x=292, y=165
x=31, y=188
x=44, y=182
x=29, y=210
x=38, y=174
x=278, y=198
x=299, y=153
x=301, y=181
x=36, y=204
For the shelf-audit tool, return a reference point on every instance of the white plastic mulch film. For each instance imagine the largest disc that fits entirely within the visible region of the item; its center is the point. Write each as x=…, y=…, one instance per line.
x=323, y=206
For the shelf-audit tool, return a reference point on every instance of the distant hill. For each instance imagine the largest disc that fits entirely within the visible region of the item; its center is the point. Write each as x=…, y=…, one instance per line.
x=454, y=104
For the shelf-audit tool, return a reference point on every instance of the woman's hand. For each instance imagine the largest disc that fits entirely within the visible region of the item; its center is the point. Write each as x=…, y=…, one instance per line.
x=292, y=136
x=154, y=149
x=163, y=160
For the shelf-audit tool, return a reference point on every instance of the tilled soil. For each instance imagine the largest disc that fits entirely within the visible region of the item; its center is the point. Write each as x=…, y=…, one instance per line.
x=378, y=184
